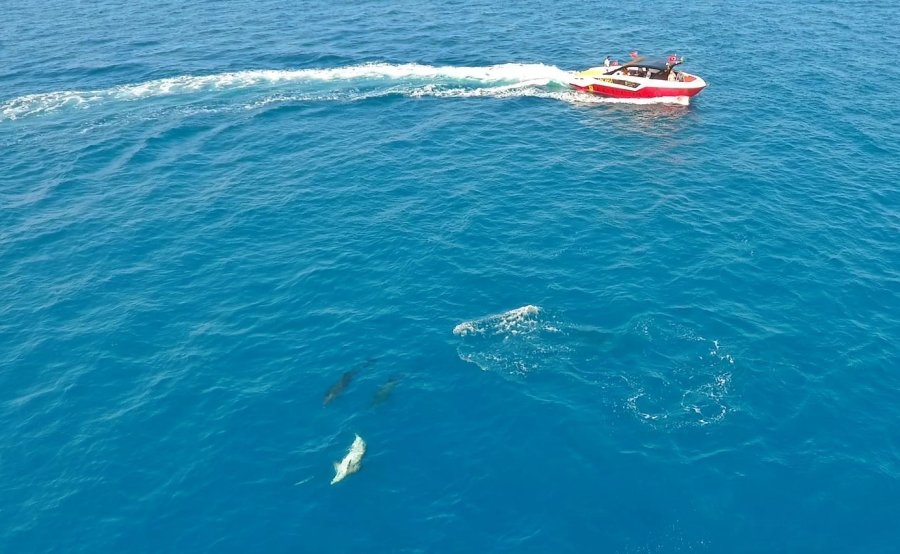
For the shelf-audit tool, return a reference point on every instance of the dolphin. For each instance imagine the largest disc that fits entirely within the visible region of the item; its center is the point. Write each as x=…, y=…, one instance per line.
x=337, y=388
x=351, y=462
x=385, y=390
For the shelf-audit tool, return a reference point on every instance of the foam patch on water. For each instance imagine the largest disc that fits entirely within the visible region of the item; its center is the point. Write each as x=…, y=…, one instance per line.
x=517, y=341
x=682, y=380
x=664, y=374
x=513, y=321
x=413, y=80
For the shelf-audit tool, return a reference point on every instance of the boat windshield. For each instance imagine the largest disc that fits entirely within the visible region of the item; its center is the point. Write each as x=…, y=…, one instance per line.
x=644, y=72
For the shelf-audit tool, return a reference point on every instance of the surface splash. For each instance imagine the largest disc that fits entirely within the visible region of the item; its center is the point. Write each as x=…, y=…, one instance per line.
x=516, y=341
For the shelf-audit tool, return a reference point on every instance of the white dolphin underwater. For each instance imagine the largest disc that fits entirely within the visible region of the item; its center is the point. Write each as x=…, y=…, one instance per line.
x=350, y=463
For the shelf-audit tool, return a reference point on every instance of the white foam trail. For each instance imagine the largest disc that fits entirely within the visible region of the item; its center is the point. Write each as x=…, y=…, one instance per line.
x=241, y=79
x=415, y=80
x=504, y=73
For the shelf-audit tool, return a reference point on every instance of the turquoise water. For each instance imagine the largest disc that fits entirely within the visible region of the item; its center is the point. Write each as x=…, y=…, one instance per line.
x=571, y=325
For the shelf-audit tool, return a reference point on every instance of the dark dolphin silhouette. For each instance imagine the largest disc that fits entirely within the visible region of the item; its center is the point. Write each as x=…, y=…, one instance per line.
x=385, y=390
x=337, y=388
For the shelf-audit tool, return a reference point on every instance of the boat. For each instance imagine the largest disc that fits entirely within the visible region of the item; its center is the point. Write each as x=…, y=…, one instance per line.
x=642, y=77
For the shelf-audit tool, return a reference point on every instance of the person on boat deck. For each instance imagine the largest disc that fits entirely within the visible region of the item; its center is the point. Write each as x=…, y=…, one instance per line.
x=606, y=61
x=672, y=75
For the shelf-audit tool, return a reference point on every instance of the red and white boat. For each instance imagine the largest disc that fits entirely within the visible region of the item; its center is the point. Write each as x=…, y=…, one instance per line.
x=640, y=78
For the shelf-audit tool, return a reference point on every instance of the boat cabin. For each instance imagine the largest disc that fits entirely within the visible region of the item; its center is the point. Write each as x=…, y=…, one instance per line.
x=648, y=68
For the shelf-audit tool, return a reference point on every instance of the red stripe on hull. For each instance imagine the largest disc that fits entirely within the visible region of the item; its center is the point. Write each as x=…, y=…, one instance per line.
x=646, y=92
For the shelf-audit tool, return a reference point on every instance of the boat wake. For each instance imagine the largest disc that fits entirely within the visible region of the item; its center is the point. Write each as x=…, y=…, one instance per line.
x=257, y=88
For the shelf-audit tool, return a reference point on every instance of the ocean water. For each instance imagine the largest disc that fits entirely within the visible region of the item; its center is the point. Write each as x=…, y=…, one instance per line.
x=235, y=234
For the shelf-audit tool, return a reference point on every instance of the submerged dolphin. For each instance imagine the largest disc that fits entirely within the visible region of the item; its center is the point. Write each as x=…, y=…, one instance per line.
x=351, y=462
x=385, y=390
x=337, y=388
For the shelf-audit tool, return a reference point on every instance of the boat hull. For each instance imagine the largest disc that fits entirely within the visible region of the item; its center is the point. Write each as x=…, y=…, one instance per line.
x=644, y=92
x=602, y=82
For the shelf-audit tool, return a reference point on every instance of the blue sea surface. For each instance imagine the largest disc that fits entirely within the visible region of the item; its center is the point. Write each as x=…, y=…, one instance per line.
x=567, y=324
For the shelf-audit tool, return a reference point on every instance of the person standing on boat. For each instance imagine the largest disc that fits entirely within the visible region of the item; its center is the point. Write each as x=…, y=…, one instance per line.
x=606, y=61
x=670, y=68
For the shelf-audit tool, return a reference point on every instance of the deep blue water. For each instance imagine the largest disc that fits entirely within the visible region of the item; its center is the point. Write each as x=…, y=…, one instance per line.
x=608, y=327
